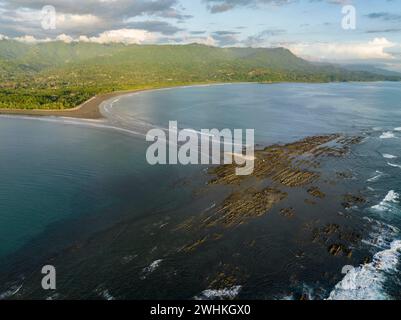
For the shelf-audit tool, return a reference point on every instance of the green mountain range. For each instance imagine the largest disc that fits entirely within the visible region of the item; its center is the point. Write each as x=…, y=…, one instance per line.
x=58, y=75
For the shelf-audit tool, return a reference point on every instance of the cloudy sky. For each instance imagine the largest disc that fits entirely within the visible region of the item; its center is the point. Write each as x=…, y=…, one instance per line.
x=310, y=28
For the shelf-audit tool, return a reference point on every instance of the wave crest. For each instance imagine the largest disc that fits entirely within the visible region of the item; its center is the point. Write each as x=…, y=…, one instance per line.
x=367, y=282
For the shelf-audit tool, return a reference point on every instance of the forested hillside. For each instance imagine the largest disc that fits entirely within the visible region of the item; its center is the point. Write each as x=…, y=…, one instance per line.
x=57, y=75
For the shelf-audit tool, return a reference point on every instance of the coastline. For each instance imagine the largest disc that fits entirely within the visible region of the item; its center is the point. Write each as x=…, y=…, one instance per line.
x=303, y=198
x=90, y=109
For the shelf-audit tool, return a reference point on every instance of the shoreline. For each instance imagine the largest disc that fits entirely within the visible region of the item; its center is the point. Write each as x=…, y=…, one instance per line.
x=90, y=109
x=296, y=190
x=87, y=110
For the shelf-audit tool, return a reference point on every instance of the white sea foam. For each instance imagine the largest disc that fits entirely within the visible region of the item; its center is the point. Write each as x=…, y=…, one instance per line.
x=377, y=176
x=151, y=268
x=107, y=107
x=397, y=129
x=381, y=235
x=105, y=294
x=10, y=292
x=387, y=135
x=389, y=156
x=392, y=196
x=387, y=203
x=210, y=207
x=53, y=296
x=394, y=165
x=367, y=282
x=222, y=294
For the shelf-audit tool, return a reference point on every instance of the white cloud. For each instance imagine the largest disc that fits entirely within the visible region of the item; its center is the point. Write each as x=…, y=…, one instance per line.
x=67, y=21
x=63, y=37
x=207, y=40
x=83, y=39
x=128, y=36
x=27, y=39
x=374, y=49
x=75, y=17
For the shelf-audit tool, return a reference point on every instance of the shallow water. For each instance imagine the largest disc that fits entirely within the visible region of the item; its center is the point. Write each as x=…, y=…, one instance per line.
x=64, y=181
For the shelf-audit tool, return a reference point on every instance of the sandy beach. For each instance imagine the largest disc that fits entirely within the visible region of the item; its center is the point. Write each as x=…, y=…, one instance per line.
x=87, y=110
x=90, y=108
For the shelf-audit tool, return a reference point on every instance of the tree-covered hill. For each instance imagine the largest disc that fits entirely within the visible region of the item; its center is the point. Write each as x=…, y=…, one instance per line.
x=60, y=75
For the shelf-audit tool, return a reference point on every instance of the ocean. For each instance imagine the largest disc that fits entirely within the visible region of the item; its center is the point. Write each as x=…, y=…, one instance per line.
x=80, y=195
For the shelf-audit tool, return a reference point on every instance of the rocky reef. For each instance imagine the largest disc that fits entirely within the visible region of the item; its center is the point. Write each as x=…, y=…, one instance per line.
x=290, y=165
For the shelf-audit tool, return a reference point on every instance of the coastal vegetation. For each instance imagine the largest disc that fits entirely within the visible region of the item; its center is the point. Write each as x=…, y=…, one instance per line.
x=58, y=75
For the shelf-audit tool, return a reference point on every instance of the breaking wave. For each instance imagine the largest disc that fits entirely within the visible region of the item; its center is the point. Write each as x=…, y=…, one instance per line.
x=394, y=165
x=10, y=292
x=367, y=282
x=376, y=177
x=389, y=156
x=222, y=294
x=387, y=135
x=388, y=202
x=151, y=268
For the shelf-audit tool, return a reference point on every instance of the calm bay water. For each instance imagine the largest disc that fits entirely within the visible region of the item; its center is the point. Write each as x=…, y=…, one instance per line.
x=64, y=181
x=52, y=171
